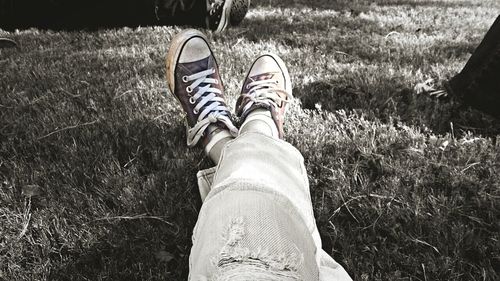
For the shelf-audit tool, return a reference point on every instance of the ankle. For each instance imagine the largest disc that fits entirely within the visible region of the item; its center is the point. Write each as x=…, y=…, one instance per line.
x=214, y=141
x=260, y=121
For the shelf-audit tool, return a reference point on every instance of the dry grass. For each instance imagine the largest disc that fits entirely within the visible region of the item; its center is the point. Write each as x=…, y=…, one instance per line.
x=96, y=182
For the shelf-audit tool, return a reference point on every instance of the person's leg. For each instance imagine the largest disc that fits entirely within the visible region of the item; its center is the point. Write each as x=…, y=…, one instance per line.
x=247, y=229
x=477, y=84
x=257, y=222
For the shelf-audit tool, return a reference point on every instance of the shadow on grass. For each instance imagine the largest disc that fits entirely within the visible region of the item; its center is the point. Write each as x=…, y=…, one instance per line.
x=356, y=39
x=101, y=178
x=400, y=105
x=135, y=248
x=132, y=176
x=151, y=203
x=294, y=31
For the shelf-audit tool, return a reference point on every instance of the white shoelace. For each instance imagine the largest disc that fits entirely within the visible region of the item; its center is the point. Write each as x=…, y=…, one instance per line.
x=264, y=92
x=213, y=112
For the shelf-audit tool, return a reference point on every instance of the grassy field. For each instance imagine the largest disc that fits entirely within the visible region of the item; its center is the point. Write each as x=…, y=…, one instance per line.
x=96, y=182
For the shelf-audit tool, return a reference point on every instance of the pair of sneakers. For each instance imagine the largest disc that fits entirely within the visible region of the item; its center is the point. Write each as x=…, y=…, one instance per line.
x=193, y=78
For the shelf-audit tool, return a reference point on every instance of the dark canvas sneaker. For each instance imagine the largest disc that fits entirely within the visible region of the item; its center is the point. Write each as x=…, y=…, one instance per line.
x=193, y=78
x=267, y=86
x=222, y=13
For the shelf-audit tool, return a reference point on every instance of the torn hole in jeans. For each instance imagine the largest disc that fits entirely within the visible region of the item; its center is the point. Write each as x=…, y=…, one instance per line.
x=237, y=263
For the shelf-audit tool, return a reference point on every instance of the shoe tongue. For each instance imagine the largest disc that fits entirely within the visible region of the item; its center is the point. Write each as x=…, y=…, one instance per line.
x=263, y=76
x=198, y=66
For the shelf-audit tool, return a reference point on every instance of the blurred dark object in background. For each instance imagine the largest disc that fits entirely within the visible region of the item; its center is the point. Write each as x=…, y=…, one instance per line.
x=7, y=43
x=93, y=14
x=478, y=84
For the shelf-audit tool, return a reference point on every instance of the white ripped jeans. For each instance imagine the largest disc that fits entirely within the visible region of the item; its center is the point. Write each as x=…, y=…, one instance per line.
x=257, y=221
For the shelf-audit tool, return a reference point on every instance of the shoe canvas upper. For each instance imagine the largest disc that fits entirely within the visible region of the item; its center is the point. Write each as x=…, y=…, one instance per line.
x=275, y=102
x=186, y=69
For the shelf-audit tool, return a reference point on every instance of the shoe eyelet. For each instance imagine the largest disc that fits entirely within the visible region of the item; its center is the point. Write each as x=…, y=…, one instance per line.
x=216, y=82
x=191, y=100
x=276, y=82
x=195, y=111
x=189, y=89
x=247, y=87
x=184, y=79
